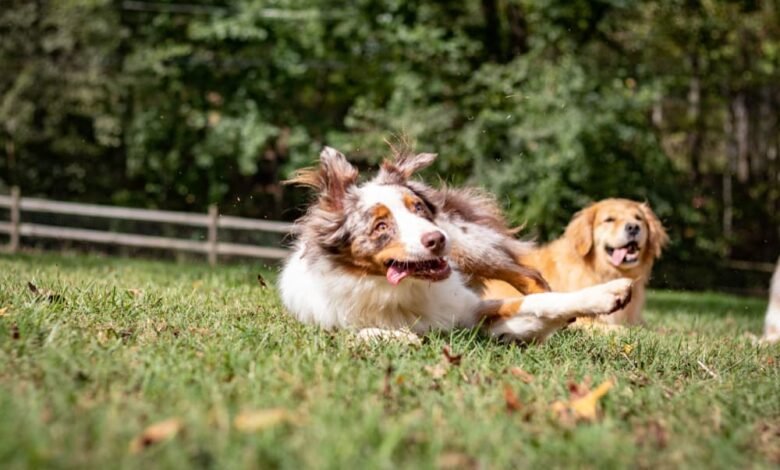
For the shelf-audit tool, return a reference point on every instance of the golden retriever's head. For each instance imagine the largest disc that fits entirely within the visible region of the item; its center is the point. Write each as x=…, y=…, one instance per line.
x=619, y=233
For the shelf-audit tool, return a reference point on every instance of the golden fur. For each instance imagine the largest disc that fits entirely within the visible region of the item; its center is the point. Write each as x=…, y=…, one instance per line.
x=579, y=258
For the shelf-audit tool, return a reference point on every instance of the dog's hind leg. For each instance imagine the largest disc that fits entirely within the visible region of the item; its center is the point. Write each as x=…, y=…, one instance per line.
x=534, y=317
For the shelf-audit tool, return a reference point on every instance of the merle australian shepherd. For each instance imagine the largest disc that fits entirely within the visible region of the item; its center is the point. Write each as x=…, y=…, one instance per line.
x=394, y=257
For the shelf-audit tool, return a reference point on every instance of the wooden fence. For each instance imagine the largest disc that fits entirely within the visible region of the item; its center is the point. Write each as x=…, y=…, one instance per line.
x=212, y=247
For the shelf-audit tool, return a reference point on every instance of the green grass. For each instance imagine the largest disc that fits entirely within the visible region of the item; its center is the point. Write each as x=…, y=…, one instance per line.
x=129, y=343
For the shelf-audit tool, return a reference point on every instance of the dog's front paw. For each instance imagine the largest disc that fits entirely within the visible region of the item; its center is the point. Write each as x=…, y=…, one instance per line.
x=606, y=298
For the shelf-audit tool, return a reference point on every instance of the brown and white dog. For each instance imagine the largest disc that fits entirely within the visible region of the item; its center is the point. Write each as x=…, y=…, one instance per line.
x=610, y=239
x=393, y=257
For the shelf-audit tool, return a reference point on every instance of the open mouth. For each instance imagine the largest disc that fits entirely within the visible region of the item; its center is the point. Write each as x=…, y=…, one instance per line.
x=627, y=254
x=436, y=269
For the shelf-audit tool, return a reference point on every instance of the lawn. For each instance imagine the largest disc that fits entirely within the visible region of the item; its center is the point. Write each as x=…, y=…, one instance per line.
x=98, y=350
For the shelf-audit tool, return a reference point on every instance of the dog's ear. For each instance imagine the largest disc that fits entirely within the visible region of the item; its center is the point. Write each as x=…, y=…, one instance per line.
x=332, y=178
x=403, y=162
x=580, y=230
x=409, y=164
x=401, y=167
x=657, y=238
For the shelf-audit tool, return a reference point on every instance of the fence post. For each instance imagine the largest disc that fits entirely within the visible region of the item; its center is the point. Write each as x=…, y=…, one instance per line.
x=15, y=219
x=213, y=220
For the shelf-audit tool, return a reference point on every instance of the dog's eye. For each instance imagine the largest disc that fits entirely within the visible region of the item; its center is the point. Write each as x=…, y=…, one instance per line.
x=638, y=217
x=380, y=226
x=419, y=207
x=609, y=219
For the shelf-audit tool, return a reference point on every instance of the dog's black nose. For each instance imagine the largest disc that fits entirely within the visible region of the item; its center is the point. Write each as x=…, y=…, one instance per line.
x=434, y=241
x=632, y=229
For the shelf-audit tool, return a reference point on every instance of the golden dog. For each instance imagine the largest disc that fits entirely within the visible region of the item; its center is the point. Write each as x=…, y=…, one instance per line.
x=610, y=239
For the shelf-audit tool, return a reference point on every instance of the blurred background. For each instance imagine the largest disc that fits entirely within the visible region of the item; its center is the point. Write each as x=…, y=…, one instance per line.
x=550, y=104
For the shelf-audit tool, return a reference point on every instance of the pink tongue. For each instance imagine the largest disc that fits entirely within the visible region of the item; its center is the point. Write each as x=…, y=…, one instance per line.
x=617, y=256
x=395, y=275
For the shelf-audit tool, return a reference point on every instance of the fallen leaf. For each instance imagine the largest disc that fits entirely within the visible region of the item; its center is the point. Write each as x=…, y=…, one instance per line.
x=586, y=406
x=44, y=293
x=453, y=359
x=135, y=292
x=628, y=349
x=512, y=402
x=582, y=404
x=158, y=432
x=258, y=420
x=3, y=311
x=261, y=281
x=521, y=374
x=577, y=390
x=438, y=371
x=455, y=460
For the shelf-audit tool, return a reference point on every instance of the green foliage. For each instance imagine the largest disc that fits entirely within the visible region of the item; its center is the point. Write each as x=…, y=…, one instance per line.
x=549, y=104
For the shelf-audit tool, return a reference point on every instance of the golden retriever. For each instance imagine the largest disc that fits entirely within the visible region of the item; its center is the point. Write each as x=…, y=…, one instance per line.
x=610, y=239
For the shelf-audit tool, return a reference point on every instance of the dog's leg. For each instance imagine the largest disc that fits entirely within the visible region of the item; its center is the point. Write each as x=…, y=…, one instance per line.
x=372, y=335
x=536, y=316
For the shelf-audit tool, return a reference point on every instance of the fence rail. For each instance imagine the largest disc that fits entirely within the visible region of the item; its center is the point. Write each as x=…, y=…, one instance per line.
x=212, y=247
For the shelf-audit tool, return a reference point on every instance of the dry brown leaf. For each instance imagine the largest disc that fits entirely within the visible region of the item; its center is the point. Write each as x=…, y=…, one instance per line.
x=583, y=403
x=3, y=311
x=258, y=420
x=453, y=359
x=456, y=460
x=135, y=292
x=438, y=371
x=586, y=406
x=51, y=296
x=577, y=390
x=261, y=281
x=512, y=402
x=521, y=374
x=158, y=432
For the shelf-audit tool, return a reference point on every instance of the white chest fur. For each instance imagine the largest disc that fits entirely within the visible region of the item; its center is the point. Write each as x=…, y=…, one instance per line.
x=317, y=292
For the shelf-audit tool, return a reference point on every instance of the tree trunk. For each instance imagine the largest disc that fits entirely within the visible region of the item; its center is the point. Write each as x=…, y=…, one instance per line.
x=695, y=119
x=741, y=133
x=728, y=171
x=492, y=26
x=518, y=29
